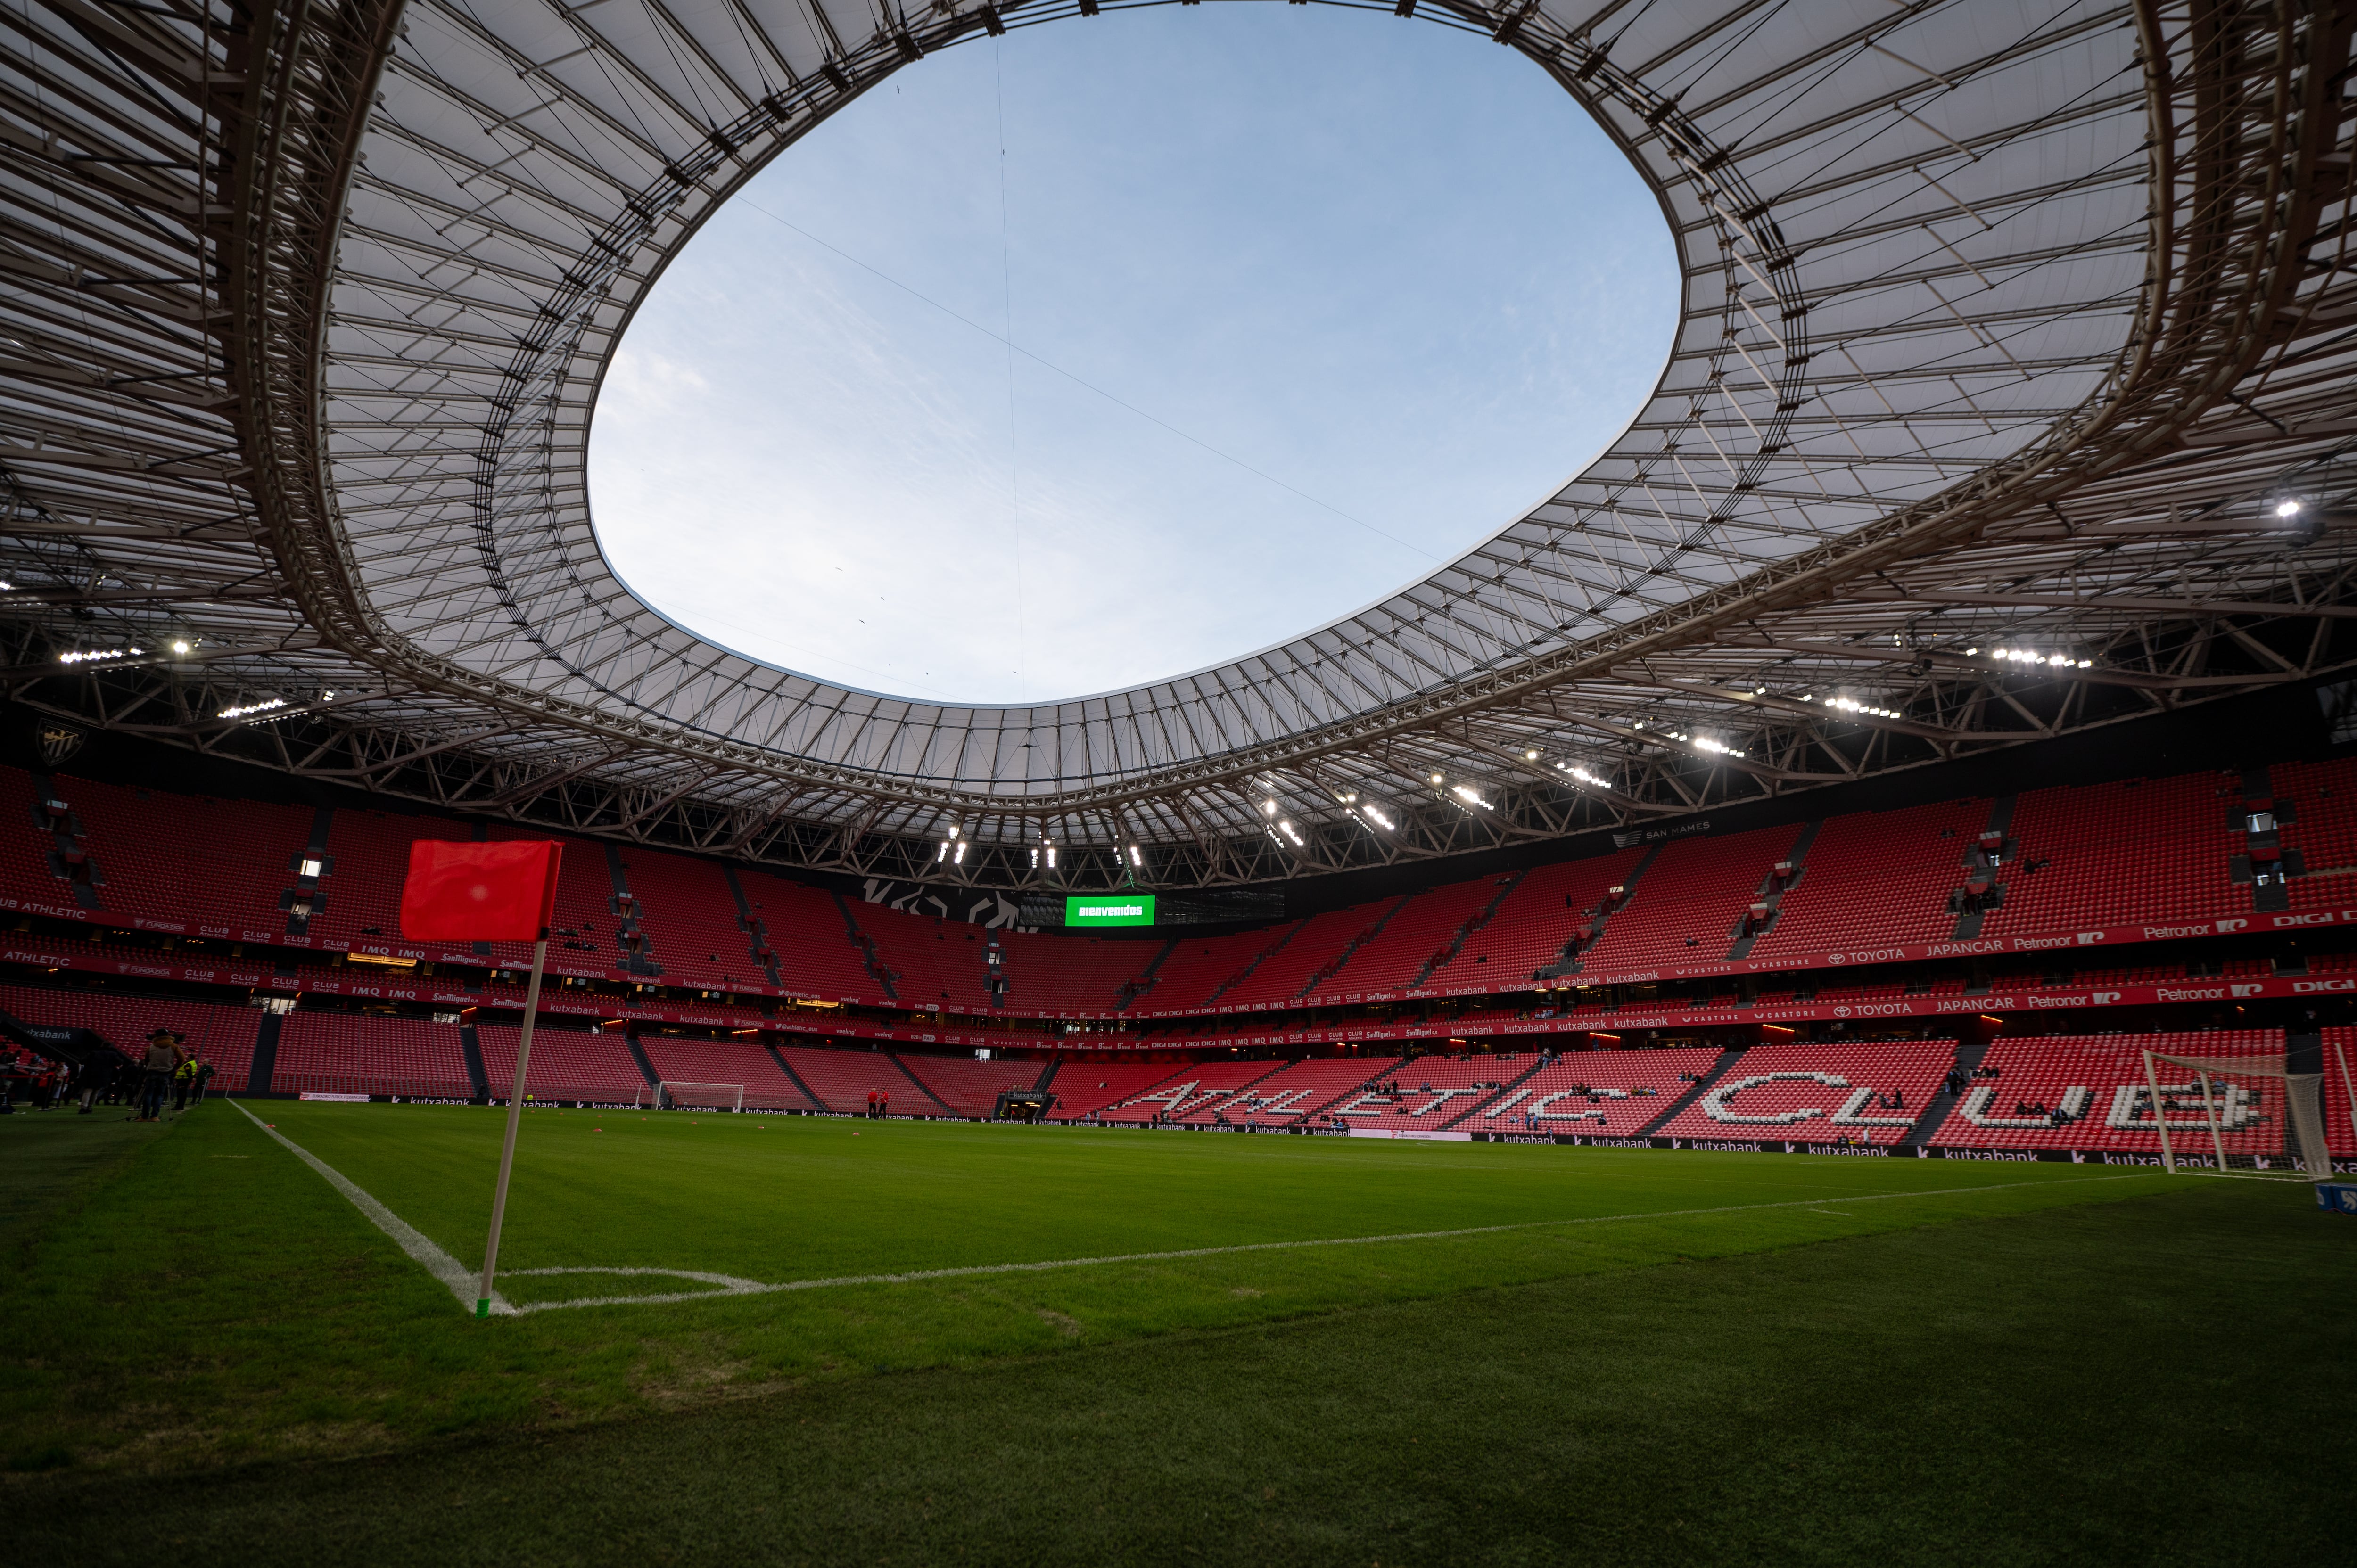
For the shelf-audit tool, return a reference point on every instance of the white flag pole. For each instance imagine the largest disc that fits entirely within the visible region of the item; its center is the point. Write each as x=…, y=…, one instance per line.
x=515, y=1115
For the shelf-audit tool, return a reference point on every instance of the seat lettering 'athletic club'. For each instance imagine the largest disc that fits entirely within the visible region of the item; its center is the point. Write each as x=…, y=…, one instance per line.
x=1854, y=882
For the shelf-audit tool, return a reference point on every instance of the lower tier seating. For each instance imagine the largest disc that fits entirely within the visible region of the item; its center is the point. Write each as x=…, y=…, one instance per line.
x=969, y=1087
x=2088, y=1091
x=1429, y=1093
x=1825, y=1094
x=844, y=1079
x=219, y=1034
x=679, y=1059
x=566, y=1064
x=361, y=1053
x=1595, y=1094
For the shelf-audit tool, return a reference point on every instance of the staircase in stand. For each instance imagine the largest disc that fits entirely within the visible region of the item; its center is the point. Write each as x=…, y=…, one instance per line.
x=1447, y=955
x=1259, y=958
x=1773, y=895
x=866, y=946
x=1727, y=1058
x=1972, y=908
x=1936, y=1109
x=1569, y=962
x=1328, y=971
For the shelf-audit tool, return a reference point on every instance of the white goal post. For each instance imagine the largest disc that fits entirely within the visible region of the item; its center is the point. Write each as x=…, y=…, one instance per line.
x=2251, y=1115
x=675, y=1094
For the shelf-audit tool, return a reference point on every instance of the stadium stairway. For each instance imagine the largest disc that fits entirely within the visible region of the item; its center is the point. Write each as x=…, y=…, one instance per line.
x=1569, y=960
x=306, y=898
x=1259, y=958
x=1969, y=1055
x=757, y=934
x=1727, y=1058
x=1447, y=954
x=638, y=1052
x=470, y=1051
x=1048, y=1075
x=866, y=946
x=1131, y=989
x=69, y=853
x=1970, y=915
x=1770, y=895
x=1336, y=964
x=922, y=1086
x=787, y=1068
x=265, y=1054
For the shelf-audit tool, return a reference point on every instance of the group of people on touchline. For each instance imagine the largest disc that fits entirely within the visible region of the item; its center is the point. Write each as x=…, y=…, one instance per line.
x=167, y=1073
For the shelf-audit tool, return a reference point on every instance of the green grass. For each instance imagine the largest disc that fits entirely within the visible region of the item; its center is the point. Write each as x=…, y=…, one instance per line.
x=1893, y=1352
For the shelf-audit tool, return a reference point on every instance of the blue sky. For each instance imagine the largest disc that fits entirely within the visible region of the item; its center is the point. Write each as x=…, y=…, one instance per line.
x=1368, y=290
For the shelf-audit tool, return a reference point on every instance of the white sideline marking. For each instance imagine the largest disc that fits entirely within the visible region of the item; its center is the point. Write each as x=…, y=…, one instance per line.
x=462, y=1283
x=461, y=1280
x=750, y=1287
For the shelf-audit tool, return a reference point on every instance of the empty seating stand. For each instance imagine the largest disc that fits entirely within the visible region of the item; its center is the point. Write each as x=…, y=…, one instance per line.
x=1824, y=1093
x=2088, y=1091
x=1595, y=1093
x=843, y=1079
x=1685, y=907
x=566, y=1064
x=363, y=1053
x=678, y=1058
x=221, y=1034
x=1433, y=1091
x=971, y=1088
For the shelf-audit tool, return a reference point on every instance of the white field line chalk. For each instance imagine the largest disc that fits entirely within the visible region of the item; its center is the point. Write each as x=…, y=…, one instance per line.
x=462, y=1283
x=437, y=1263
x=749, y=1287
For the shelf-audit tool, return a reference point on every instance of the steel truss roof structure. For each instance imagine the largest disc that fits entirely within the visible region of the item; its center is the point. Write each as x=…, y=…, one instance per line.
x=2007, y=330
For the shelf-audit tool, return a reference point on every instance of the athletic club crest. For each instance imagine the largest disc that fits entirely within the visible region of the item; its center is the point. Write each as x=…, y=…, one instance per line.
x=58, y=742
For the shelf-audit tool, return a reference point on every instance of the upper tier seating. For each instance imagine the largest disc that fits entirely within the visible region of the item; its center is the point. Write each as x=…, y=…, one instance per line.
x=1684, y=907
x=190, y=863
x=1876, y=878
x=1822, y=1093
x=814, y=950
x=566, y=1064
x=1318, y=944
x=1195, y=975
x=690, y=918
x=1542, y=913
x=931, y=961
x=1071, y=974
x=680, y=1059
x=366, y=1053
x=2087, y=1092
x=971, y=1088
x=2110, y=854
x=1416, y=938
x=1596, y=1093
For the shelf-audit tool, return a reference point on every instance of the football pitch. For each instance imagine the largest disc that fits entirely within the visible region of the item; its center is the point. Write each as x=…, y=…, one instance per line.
x=780, y=1339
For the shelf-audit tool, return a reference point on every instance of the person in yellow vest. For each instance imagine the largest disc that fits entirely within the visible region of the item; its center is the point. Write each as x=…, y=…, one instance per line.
x=184, y=1078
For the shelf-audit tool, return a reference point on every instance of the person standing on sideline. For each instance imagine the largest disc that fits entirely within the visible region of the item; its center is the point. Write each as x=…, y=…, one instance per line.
x=184, y=1078
x=99, y=1075
x=871, y=1105
x=155, y=1078
x=205, y=1071
x=883, y=1104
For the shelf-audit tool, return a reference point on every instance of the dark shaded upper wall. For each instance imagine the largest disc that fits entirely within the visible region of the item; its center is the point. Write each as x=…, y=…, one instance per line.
x=2285, y=725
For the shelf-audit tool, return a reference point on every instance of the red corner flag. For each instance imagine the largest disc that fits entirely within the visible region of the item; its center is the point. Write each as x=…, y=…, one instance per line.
x=480, y=892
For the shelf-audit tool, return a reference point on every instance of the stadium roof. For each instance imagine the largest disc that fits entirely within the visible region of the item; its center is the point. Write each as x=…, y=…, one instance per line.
x=2007, y=330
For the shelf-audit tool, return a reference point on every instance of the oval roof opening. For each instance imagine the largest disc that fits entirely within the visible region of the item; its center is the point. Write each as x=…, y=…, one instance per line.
x=1092, y=355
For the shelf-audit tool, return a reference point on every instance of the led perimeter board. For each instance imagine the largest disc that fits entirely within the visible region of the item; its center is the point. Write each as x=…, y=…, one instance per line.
x=1120, y=909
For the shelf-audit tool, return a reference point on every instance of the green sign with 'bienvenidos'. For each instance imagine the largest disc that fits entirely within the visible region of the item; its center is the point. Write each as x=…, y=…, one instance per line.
x=1123, y=909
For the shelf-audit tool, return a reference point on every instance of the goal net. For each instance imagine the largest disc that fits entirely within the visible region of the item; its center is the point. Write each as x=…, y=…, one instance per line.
x=671, y=1094
x=2240, y=1115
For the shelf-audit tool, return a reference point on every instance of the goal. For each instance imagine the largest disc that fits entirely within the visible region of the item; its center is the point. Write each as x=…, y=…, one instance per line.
x=2254, y=1115
x=672, y=1094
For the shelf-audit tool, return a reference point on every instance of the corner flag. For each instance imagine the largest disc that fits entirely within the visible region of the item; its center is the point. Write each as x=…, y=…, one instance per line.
x=480, y=892
x=487, y=893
